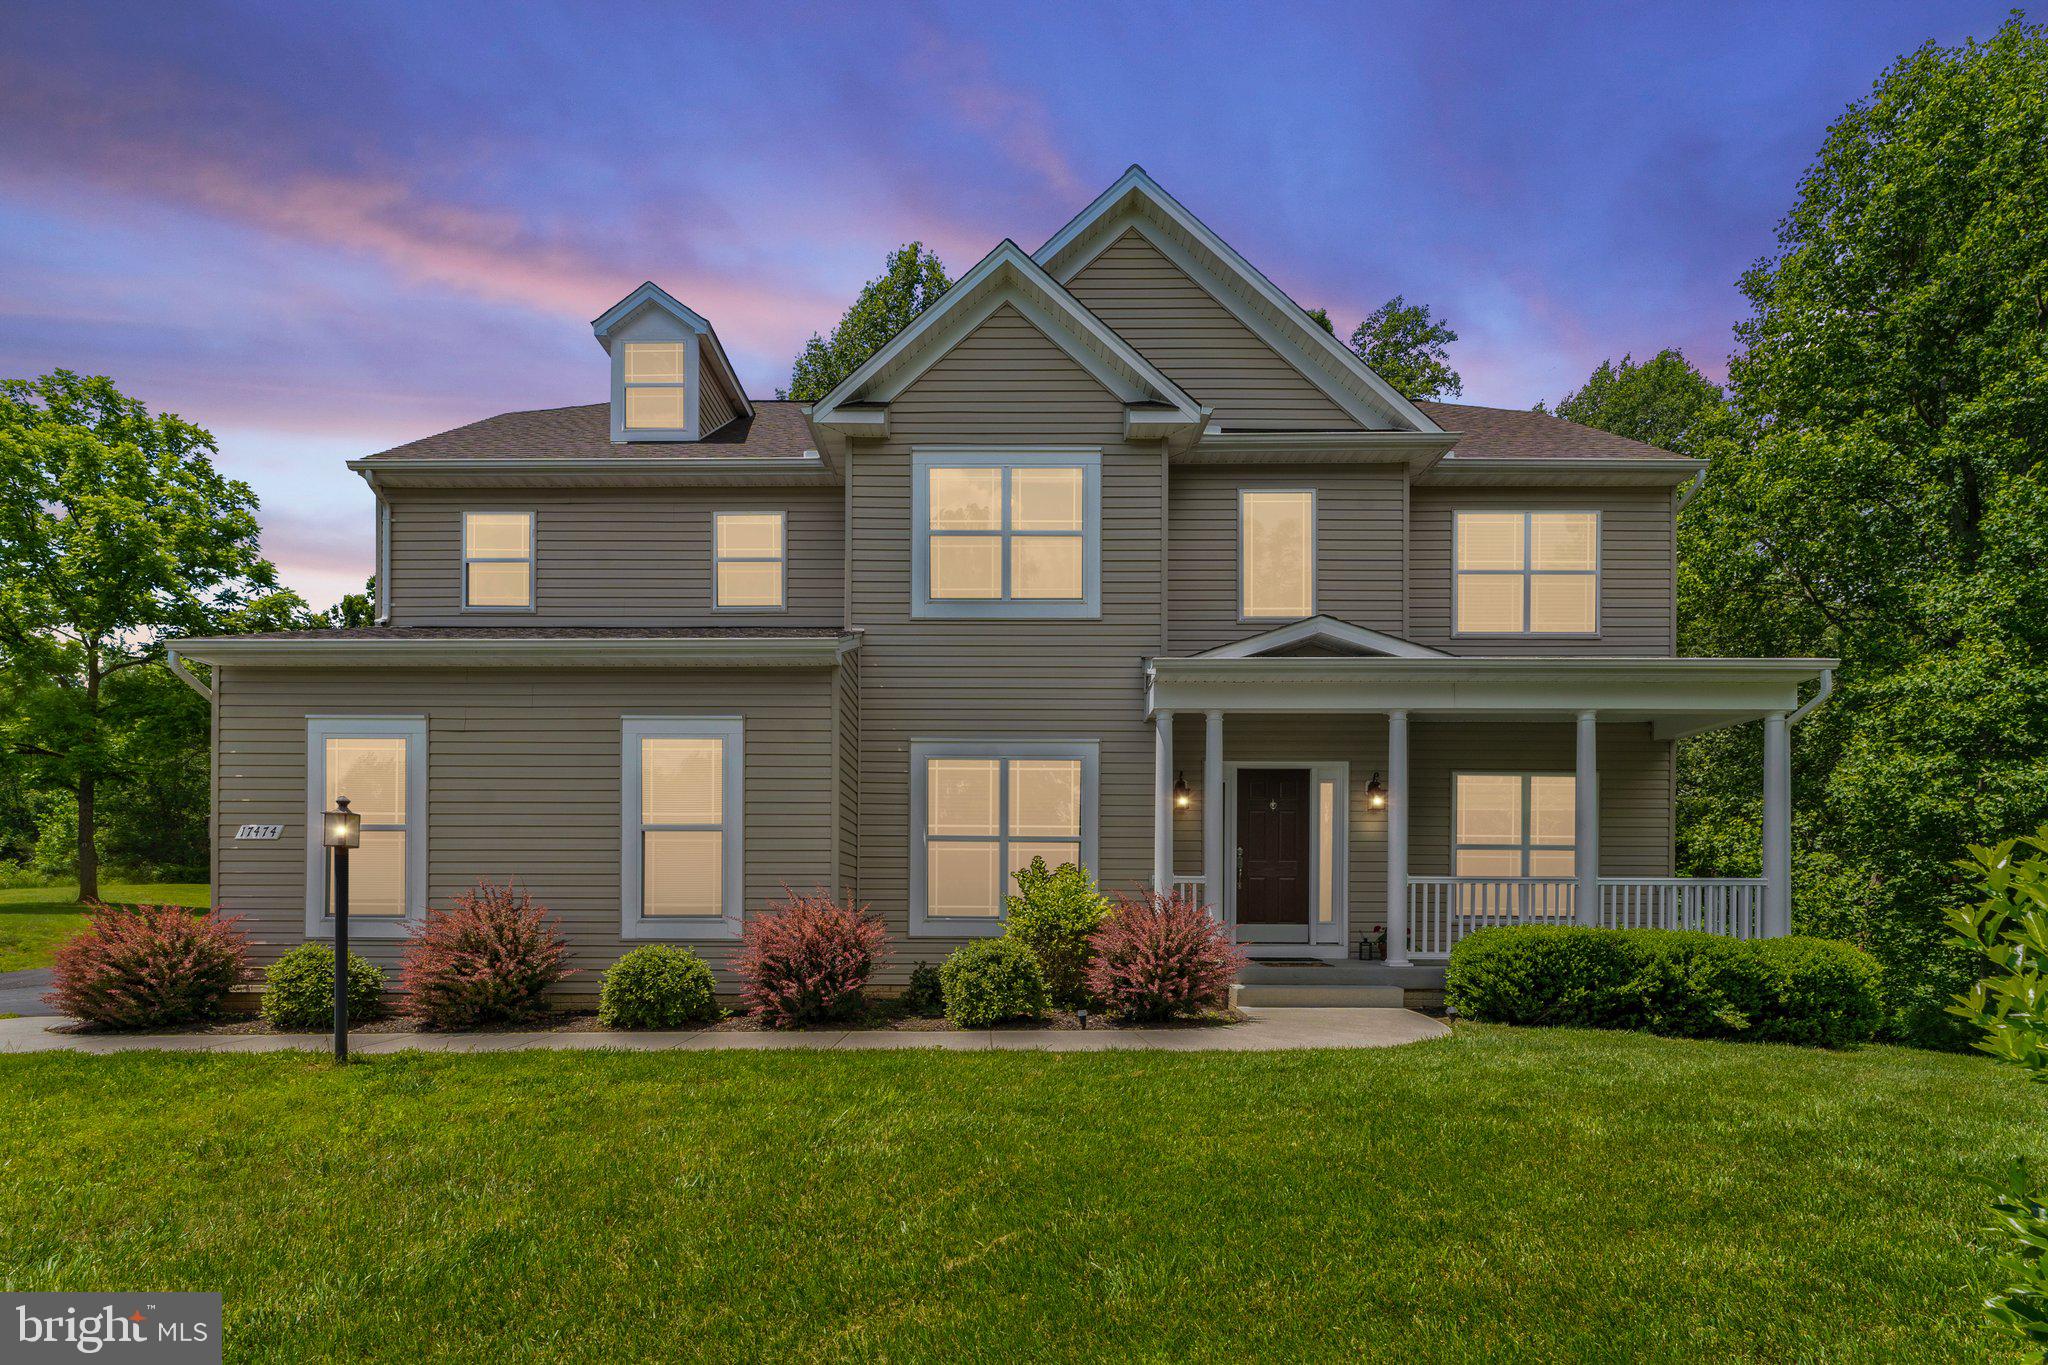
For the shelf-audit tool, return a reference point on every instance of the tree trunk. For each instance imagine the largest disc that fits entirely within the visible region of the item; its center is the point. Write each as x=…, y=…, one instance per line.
x=88, y=845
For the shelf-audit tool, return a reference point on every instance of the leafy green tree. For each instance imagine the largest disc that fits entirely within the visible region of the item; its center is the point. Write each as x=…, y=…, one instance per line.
x=1409, y=349
x=1321, y=318
x=355, y=608
x=1663, y=402
x=913, y=281
x=1881, y=498
x=116, y=534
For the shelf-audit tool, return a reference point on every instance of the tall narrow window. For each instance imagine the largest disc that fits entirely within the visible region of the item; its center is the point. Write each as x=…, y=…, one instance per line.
x=497, y=560
x=378, y=763
x=1276, y=547
x=748, y=550
x=1528, y=573
x=681, y=854
x=656, y=386
x=1514, y=825
x=981, y=812
x=1012, y=535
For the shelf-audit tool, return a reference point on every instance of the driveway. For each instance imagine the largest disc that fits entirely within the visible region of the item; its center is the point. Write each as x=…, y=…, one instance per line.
x=22, y=992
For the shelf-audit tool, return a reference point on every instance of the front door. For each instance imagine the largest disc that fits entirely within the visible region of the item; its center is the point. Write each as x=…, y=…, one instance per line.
x=1273, y=868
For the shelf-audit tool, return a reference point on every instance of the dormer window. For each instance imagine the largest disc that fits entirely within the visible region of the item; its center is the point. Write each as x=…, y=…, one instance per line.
x=657, y=386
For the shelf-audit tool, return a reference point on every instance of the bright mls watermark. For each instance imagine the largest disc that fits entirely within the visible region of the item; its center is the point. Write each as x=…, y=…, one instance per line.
x=177, y=1329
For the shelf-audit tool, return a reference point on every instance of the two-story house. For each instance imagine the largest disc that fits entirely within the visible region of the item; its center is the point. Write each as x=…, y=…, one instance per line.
x=1112, y=556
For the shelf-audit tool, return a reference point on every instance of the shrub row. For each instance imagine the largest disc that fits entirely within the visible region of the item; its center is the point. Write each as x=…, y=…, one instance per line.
x=1685, y=985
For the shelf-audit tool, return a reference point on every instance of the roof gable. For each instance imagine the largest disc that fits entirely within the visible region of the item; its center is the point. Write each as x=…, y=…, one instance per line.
x=1006, y=277
x=1324, y=635
x=652, y=296
x=1136, y=200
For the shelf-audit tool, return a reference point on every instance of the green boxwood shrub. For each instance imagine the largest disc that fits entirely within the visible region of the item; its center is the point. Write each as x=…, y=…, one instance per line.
x=925, y=996
x=1685, y=985
x=657, y=985
x=1055, y=914
x=994, y=981
x=298, y=989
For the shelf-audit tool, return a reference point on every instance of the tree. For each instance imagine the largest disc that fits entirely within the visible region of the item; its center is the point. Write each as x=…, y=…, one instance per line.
x=913, y=281
x=355, y=608
x=116, y=534
x=1881, y=498
x=1409, y=349
x=1663, y=402
x=1321, y=318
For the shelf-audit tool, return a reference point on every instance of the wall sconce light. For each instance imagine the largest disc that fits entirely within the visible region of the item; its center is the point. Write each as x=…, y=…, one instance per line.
x=1182, y=796
x=1376, y=793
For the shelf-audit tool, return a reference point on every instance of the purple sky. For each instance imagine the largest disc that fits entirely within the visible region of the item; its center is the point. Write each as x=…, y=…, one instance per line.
x=318, y=231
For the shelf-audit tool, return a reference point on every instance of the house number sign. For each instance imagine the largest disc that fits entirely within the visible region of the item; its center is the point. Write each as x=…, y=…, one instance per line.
x=259, y=831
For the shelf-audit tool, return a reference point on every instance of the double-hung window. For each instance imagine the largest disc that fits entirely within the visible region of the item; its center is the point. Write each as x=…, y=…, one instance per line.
x=380, y=764
x=497, y=561
x=681, y=808
x=1528, y=573
x=657, y=386
x=982, y=810
x=1006, y=534
x=1515, y=825
x=747, y=550
x=1276, y=554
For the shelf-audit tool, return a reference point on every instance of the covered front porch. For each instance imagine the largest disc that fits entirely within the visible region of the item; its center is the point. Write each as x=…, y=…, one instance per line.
x=1339, y=806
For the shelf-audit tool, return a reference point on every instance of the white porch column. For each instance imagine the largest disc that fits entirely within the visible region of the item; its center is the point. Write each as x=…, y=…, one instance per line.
x=1777, y=826
x=1397, y=838
x=1215, y=856
x=1586, y=819
x=1162, y=802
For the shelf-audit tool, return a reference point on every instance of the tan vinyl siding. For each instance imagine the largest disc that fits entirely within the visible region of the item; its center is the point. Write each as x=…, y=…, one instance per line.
x=616, y=557
x=1358, y=548
x=714, y=407
x=1637, y=528
x=523, y=776
x=1006, y=384
x=1198, y=343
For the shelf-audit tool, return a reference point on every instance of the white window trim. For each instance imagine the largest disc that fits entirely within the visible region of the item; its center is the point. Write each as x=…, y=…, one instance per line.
x=1528, y=801
x=1087, y=607
x=1528, y=575
x=1314, y=545
x=732, y=855
x=922, y=751
x=413, y=729
x=531, y=558
x=780, y=561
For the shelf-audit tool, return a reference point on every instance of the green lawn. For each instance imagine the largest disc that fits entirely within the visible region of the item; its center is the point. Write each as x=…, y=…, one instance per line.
x=35, y=919
x=1502, y=1194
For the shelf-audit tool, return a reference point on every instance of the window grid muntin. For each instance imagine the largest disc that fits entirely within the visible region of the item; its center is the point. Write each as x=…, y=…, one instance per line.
x=780, y=560
x=470, y=557
x=1002, y=532
x=1527, y=843
x=1528, y=573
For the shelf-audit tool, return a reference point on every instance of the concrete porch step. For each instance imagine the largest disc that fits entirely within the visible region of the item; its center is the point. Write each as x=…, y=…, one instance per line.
x=1315, y=995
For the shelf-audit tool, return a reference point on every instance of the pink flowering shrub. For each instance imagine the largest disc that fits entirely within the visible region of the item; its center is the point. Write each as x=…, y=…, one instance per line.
x=1157, y=957
x=807, y=960
x=489, y=958
x=148, y=966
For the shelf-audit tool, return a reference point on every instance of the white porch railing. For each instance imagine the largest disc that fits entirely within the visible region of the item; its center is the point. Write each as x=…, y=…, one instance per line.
x=1442, y=910
x=1190, y=888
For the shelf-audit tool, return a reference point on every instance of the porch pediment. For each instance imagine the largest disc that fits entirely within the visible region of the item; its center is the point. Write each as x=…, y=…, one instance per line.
x=1322, y=637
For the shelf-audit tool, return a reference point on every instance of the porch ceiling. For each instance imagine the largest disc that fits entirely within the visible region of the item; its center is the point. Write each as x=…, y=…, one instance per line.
x=1676, y=696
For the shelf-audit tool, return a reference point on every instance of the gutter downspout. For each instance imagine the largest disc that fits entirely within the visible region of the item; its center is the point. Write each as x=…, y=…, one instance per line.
x=383, y=603
x=1691, y=491
x=185, y=675
x=1827, y=687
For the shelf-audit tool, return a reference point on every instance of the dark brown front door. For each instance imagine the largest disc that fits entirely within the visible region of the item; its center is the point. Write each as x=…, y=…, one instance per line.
x=1272, y=836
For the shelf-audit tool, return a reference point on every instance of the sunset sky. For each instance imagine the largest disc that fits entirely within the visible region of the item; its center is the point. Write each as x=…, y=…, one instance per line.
x=319, y=231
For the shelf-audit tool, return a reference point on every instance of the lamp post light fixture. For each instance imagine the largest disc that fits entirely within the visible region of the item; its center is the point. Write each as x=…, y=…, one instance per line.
x=1183, y=797
x=341, y=830
x=1376, y=794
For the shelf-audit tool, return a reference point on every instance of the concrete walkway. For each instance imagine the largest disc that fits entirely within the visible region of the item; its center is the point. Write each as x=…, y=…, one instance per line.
x=22, y=992
x=1275, y=1030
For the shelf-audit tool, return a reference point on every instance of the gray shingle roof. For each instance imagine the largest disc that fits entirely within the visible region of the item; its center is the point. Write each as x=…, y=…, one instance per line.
x=776, y=431
x=540, y=633
x=1519, y=434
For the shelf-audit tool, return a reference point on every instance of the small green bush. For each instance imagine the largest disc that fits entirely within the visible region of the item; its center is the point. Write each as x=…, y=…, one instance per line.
x=925, y=997
x=657, y=985
x=1683, y=985
x=994, y=981
x=298, y=989
x=1055, y=914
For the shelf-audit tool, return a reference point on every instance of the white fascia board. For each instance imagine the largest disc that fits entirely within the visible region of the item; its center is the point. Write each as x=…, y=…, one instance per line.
x=1038, y=297
x=1308, y=337
x=822, y=651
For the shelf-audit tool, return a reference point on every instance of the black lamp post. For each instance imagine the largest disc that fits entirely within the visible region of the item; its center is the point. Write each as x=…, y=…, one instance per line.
x=341, y=831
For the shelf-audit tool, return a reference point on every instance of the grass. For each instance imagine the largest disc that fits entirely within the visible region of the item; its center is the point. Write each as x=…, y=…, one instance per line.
x=35, y=919
x=1503, y=1194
